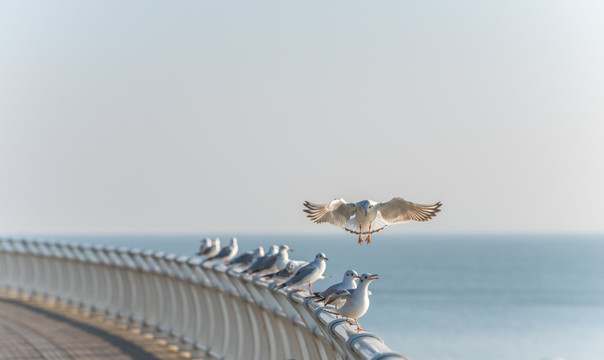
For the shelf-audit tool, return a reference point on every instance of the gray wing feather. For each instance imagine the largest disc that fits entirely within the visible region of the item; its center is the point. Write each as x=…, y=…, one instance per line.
x=205, y=251
x=330, y=290
x=300, y=275
x=243, y=258
x=337, y=212
x=258, y=263
x=223, y=252
x=338, y=295
x=400, y=210
x=270, y=261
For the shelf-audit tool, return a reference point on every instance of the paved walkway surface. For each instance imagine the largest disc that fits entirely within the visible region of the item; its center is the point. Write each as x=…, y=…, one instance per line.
x=32, y=331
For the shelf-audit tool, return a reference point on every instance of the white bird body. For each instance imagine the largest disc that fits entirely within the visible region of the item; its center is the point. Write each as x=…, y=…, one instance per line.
x=368, y=216
x=357, y=302
x=308, y=274
x=348, y=283
x=365, y=214
x=214, y=249
x=282, y=259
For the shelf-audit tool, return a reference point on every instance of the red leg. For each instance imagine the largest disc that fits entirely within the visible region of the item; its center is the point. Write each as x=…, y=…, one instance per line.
x=368, y=240
x=360, y=233
x=358, y=327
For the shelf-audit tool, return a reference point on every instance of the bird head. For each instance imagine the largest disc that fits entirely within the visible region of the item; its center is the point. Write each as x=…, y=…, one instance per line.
x=368, y=277
x=351, y=274
x=285, y=247
x=365, y=206
x=321, y=256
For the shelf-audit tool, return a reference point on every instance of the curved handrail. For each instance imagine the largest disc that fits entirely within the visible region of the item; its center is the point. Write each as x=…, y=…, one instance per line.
x=208, y=311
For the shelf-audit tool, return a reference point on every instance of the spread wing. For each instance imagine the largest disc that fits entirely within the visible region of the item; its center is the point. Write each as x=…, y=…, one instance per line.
x=400, y=210
x=337, y=212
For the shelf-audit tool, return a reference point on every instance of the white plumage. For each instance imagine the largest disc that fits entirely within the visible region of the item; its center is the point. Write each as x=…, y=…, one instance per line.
x=347, y=283
x=211, y=250
x=226, y=253
x=308, y=274
x=357, y=301
x=368, y=216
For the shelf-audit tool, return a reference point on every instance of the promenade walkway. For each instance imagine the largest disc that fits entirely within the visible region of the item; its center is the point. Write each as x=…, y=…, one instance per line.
x=32, y=331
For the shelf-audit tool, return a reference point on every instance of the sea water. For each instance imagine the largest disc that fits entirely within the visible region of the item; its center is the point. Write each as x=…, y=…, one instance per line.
x=440, y=297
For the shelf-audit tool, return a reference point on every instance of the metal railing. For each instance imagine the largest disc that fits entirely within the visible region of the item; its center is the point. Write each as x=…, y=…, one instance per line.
x=209, y=311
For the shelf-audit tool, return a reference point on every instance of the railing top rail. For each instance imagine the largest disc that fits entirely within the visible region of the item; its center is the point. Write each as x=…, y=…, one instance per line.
x=299, y=310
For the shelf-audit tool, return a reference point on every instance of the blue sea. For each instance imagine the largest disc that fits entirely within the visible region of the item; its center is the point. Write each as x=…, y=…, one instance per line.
x=441, y=297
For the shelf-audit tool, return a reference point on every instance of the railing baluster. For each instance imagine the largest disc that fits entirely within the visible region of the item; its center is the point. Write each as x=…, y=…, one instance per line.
x=210, y=311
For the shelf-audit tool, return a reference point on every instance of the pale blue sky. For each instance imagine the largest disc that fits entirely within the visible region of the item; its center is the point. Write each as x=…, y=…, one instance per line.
x=213, y=116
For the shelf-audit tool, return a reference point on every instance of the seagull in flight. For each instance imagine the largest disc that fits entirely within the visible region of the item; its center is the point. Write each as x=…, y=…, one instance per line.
x=368, y=216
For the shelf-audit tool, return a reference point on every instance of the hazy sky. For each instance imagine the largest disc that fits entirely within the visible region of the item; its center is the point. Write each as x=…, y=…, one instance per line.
x=224, y=116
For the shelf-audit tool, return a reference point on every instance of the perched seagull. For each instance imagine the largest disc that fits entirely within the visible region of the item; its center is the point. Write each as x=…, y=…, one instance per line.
x=308, y=274
x=357, y=301
x=226, y=253
x=274, y=263
x=348, y=283
x=205, y=243
x=261, y=261
x=212, y=250
x=248, y=257
x=367, y=216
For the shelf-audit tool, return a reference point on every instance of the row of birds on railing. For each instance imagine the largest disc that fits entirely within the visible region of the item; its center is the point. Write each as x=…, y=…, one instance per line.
x=348, y=299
